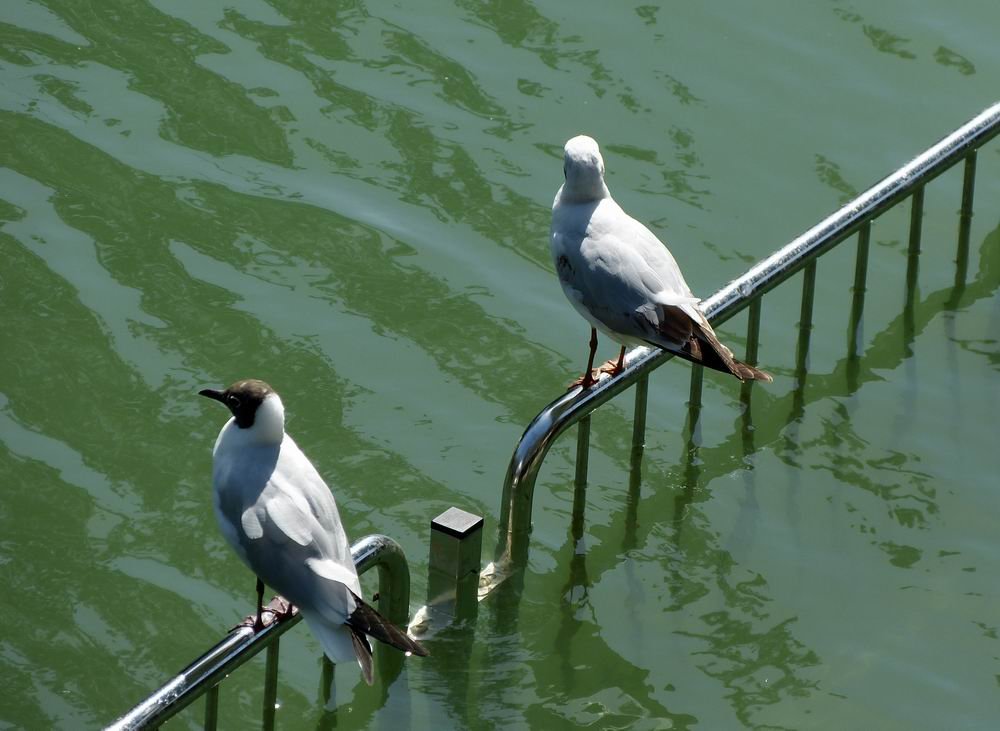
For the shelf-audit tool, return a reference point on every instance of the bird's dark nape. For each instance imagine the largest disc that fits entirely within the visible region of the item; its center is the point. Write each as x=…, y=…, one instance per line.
x=367, y=620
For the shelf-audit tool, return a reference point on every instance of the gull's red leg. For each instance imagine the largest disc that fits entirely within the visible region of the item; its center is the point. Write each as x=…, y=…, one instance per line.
x=587, y=379
x=265, y=616
x=612, y=367
x=258, y=624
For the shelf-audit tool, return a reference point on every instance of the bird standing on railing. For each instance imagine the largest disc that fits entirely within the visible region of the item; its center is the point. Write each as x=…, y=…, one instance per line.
x=621, y=278
x=280, y=517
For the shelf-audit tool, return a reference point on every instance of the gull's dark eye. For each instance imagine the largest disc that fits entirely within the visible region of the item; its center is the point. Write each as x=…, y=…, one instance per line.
x=232, y=401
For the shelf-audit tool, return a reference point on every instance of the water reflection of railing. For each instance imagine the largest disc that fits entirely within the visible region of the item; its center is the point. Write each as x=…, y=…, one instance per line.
x=575, y=406
x=204, y=675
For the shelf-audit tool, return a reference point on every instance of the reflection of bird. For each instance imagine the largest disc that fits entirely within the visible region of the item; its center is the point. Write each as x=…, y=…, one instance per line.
x=621, y=278
x=280, y=517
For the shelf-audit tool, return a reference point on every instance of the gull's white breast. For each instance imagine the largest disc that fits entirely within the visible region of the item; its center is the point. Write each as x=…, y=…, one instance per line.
x=280, y=517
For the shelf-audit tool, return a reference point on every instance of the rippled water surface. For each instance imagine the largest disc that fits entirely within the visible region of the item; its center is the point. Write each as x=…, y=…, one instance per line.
x=351, y=201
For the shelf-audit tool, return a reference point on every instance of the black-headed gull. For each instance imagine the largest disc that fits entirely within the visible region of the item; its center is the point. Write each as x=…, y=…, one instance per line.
x=281, y=519
x=621, y=278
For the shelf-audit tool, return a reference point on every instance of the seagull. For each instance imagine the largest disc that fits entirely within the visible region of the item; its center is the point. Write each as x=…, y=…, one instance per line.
x=621, y=278
x=280, y=518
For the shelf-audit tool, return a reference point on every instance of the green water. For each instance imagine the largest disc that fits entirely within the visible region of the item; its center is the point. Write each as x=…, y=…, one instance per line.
x=351, y=201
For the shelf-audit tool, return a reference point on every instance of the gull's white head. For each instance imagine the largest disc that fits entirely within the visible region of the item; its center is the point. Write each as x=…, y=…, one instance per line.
x=256, y=408
x=583, y=168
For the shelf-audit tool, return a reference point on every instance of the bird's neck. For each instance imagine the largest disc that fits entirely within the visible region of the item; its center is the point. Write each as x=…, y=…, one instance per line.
x=269, y=421
x=268, y=428
x=589, y=189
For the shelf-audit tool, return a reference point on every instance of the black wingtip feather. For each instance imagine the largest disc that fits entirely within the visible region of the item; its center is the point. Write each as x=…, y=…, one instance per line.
x=717, y=356
x=367, y=620
x=695, y=341
x=748, y=372
x=363, y=651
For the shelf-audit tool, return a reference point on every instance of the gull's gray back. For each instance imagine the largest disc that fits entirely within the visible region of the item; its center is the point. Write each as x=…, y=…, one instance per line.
x=281, y=518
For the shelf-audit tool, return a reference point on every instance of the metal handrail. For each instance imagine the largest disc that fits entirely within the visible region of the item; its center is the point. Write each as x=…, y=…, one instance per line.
x=802, y=252
x=242, y=643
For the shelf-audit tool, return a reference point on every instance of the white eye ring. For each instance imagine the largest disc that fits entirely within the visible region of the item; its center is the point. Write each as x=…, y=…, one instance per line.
x=234, y=401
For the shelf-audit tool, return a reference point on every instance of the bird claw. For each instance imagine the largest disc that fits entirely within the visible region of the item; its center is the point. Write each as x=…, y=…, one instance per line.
x=586, y=380
x=611, y=367
x=277, y=609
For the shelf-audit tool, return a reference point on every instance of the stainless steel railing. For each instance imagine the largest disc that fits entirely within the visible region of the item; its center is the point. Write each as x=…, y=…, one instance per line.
x=575, y=406
x=203, y=676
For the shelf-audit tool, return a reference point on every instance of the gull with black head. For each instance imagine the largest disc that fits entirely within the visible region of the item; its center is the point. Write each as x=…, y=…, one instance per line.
x=621, y=278
x=281, y=519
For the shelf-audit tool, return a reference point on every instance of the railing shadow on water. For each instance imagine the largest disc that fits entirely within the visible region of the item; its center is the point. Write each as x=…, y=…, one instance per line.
x=887, y=348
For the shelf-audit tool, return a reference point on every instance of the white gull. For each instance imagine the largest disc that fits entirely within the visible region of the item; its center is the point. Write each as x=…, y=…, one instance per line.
x=280, y=518
x=621, y=278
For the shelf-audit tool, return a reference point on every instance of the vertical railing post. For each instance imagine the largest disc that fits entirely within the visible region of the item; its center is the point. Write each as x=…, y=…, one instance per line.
x=635, y=460
x=860, y=287
x=913, y=250
x=753, y=332
x=916, y=220
x=639, y=413
x=693, y=426
x=913, y=264
x=212, y=708
x=854, y=329
x=453, y=569
x=805, y=318
x=270, y=684
x=697, y=376
x=580, y=478
x=582, y=452
x=753, y=342
x=965, y=219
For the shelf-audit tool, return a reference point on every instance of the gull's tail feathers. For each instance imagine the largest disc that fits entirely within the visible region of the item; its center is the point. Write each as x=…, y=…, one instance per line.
x=718, y=356
x=698, y=343
x=341, y=643
x=367, y=621
x=363, y=651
